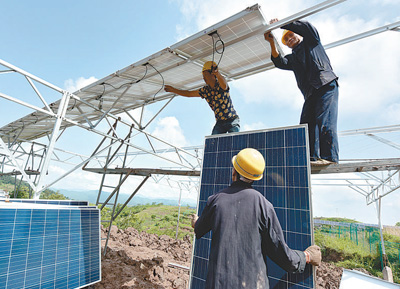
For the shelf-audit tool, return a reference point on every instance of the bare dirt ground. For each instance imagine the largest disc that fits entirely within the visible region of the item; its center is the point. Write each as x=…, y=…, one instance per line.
x=142, y=260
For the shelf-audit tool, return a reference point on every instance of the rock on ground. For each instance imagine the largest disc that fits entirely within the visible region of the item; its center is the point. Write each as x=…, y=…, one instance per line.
x=141, y=260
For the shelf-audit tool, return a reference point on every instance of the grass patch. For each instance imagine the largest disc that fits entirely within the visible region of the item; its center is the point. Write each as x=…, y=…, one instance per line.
x=343, y=252
x=154, y=219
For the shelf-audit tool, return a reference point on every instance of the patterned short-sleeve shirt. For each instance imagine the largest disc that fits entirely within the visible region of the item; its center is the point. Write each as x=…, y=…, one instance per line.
x=219, y=100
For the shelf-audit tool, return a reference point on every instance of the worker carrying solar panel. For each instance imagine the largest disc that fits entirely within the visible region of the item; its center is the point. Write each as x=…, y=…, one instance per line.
x=239, y=218
x=216, y=93
x=318, y=84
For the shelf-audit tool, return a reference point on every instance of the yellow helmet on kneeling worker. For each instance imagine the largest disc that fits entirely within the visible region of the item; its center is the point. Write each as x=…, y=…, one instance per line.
x=249, y=163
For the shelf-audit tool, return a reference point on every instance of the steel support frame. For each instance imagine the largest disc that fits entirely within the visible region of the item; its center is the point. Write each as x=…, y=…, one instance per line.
x=7, y=153
x=59, y=117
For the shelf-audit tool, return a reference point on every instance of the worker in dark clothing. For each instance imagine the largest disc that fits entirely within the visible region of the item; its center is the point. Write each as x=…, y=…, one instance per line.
x=216, y=93
x=245, y=229
x=318, y=84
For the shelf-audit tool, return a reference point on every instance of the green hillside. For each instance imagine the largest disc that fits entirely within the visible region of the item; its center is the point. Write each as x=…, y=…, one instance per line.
x=21, y=190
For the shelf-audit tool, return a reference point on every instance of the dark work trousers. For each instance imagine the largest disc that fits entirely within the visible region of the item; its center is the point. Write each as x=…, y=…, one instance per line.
x=320, y=112
x=226, y=126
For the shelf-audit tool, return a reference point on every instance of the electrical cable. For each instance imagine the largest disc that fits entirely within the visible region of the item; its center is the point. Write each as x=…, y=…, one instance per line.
x=129, y=83
x=163, y=82
x=100, y=97
x=215, y=50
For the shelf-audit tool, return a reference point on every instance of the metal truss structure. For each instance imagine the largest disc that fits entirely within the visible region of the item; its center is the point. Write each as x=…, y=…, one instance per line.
x=111, y=110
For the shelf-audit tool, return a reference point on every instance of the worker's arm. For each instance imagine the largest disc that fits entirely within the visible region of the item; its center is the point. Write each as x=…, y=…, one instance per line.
x=203, y=224
x=187, y=93
x=221, y=79
x=268, y=36
x=279, y=61
x=304, y=29
x=273, y=242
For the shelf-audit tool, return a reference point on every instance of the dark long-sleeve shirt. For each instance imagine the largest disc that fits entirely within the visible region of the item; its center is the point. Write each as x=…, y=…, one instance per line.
x=308, y=59
x=245, y=229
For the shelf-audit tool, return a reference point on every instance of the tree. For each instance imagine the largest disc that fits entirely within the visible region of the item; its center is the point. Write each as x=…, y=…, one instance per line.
x=52, y=195
x=398, y=224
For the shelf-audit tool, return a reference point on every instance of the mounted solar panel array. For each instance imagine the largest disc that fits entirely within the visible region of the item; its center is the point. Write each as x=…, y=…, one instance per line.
x=49, y=245
x=286, y=184
x=140, y=84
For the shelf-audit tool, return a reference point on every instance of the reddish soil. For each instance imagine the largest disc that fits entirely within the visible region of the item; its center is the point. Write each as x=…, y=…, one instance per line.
x=142, y=260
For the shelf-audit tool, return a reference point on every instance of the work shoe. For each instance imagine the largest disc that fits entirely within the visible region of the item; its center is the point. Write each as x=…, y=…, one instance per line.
x=321, y=163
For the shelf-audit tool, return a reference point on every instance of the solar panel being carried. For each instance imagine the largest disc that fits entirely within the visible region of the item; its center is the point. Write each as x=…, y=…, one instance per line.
x=286, y=184
x=239, y=37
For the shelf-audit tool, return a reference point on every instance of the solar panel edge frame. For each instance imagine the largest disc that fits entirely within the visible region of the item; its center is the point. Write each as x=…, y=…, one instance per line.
x=197, y=212
x=251, y=9
x=94, y=282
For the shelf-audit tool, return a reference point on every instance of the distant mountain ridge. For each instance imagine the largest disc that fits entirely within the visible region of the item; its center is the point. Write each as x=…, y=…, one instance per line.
x=91, y=196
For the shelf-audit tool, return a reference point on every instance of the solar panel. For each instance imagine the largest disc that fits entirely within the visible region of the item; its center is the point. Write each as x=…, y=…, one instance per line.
x=141, y=83
x=286, y=184
x=49, y=246
x=49, y=202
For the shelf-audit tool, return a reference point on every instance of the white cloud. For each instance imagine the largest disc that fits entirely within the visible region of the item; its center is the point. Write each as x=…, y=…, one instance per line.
x=331, y=197
x=368, y=69
x=161, y=190
x=385, y=2
x=254, y=126
x=393, y=113
x=168, y=129
x=78, y=180
x=277, y=88
x=336, y=201
x=136, y=114
x=74, y=85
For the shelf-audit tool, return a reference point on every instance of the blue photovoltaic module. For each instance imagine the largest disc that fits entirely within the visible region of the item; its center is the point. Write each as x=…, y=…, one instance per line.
x=47, y=245
x=49, y=202
x=286, y=184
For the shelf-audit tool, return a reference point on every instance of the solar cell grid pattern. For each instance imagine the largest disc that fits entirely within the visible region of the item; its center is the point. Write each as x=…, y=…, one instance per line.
x=286, y=184
x=49, y=246
x=49, y=202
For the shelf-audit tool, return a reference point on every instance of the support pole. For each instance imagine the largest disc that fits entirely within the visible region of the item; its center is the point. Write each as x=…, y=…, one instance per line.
x=179, y=213
x=387, y=271
x=379, y=212
x=62, y=109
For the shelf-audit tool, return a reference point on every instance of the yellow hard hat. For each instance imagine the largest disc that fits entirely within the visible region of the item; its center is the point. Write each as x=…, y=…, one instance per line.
x=249, y=163
x=284, y=34
x=208, y=65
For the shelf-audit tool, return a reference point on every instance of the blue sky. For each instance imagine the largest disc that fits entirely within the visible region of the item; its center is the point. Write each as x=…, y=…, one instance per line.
x=70, y=43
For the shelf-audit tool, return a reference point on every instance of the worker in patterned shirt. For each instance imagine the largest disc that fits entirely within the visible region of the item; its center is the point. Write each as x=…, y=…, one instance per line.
x=216, y=93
